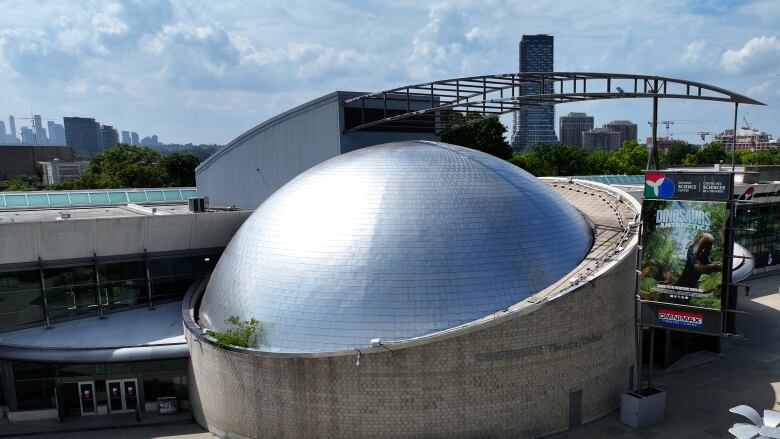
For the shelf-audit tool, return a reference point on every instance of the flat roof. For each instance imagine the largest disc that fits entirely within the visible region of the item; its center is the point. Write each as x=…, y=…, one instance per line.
x=76, y=213
x=137, y=334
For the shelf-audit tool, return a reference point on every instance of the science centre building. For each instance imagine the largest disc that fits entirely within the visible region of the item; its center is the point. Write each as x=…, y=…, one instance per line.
x=418, y=288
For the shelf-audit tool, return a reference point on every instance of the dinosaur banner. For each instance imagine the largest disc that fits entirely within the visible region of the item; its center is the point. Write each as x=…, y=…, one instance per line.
x=683, y=255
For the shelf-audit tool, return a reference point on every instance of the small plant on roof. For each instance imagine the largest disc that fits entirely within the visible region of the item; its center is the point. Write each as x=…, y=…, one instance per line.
x=241, y=333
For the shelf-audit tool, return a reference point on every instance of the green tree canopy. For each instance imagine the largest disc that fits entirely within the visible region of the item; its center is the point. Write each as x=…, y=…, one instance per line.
x=21, y=183
x=677, y=154
x=482, y=134
x=630, y=159
x=709, y=154
x=128, y=166
x=180, y=168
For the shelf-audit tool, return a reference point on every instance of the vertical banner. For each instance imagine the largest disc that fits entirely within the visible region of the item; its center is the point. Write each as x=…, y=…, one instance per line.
x=685, y=251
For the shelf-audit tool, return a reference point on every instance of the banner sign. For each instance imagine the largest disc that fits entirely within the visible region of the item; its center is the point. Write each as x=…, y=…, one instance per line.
x=679, y=318
x=665, y=185
x=683, y=252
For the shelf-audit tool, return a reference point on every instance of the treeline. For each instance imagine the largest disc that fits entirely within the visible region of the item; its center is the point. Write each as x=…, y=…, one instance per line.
x=123, y=166
x=554, y=159
x=130, y=166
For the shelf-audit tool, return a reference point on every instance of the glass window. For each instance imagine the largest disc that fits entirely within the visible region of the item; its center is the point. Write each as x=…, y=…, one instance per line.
x=27, y=371
x=37, y=199
x=76, y=370
x=187, y=193
x=20, y=280
x=159, y=386
x=60, y=277
x=170, y=266
x=35, y=395
x=98, y=197
x=20, y=308
x=137, y=197
x=155, y=196
x=15, y=200
x=117, y=197
x=71, y=301
x=2, y=200
x=123, y=293
x=59, y=199
x=79, y=198
x=172, y=195
x=167, y=288
x=122, y=271
x=164, y=365
x=121, y=368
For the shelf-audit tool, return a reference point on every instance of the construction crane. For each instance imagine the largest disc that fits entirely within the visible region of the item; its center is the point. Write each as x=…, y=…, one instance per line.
x=35, y=128
x=668, y=124
x=701, y=134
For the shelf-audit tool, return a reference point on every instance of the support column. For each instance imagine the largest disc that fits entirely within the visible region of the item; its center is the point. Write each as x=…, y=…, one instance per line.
x=734, y=139
x=652, y=156
x=46, y=317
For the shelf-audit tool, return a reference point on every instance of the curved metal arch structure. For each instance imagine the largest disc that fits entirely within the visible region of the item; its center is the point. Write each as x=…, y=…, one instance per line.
x=433, y=105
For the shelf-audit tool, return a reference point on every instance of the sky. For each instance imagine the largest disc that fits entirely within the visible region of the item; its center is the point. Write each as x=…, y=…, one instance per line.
x=205, y=72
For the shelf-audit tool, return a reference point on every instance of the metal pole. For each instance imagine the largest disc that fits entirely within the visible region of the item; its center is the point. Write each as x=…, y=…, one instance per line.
x=641, y=357
x=652, y=155
x=734, y=139
x=652, y=349
x=46, y=316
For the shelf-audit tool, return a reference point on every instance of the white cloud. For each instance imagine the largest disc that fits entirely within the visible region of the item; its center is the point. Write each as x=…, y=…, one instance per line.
x=758, y=54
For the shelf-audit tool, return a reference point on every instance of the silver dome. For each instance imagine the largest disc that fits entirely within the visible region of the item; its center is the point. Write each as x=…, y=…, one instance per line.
x=393, y=241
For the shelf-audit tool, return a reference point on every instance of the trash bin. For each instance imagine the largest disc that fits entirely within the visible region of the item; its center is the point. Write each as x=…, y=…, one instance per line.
x=167, y=405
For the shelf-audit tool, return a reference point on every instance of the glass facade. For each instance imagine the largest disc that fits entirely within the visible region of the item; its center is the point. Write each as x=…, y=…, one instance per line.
x=758, y=230
x=35, y=383
x=83, y=290
x=94, y=198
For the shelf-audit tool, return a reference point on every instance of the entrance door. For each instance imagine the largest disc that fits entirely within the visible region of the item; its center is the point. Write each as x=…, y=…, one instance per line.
x=87, y=398
x=122, y=395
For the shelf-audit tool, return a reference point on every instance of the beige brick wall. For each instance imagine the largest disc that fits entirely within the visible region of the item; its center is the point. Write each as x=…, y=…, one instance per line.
x=511, y=379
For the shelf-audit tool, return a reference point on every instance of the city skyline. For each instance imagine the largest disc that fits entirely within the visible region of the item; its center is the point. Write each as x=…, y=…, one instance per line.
x=206, y=73
x=54, y=133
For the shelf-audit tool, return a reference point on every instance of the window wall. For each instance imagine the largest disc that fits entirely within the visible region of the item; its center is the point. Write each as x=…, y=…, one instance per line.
x=85, y=290
x=35, y=383
x=758, y=230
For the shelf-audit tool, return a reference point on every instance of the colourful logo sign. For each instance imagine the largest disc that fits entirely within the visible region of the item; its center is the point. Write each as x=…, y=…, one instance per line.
x=681, y=318
x=657, y=185
x=748, y=195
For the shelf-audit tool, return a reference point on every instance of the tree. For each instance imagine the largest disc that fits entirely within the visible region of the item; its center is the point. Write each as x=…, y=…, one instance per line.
x=21, y=183
x=709, y=154
x=487, y=135
x=126, y=166
x=630, y=159
x=677, y=154
x=180, y=168
x=597, y=163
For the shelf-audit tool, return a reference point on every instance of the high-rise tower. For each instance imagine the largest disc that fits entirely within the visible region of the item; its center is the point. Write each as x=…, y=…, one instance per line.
x=534, y=125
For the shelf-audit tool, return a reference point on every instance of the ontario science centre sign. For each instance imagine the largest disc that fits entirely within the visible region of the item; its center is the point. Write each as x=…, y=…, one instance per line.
x=686, y=247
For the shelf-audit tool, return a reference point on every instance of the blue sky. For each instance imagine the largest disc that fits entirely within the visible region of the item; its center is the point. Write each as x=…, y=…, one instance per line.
x=205, y=72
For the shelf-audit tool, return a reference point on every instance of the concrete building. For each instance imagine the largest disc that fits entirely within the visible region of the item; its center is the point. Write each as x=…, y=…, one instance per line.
x=57, y=171
x=626, y=128
x=601, y=138
x=12, y=126
x=535, y=124
x=748, y=138
x=83, y=134
x=40, y=132
x=664, y=143
x=126, y=137
x=28, y=136
x=56, y=134
x=134, y=138
x=571, y=127
x=275, y=151
x=109, y=137
x=18, y=160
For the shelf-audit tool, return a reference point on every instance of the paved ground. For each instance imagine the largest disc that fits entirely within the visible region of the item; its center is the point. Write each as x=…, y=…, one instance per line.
x=176, y=431
x=699, y=397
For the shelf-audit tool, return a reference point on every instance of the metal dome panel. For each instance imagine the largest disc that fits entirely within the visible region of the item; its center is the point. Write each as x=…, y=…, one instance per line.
x=393, y=241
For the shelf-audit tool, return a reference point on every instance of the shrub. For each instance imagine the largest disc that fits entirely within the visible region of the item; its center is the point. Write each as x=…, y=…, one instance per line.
x=241, y=333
